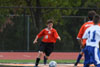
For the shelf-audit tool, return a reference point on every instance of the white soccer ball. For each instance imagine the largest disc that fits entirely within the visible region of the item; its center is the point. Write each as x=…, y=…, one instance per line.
x=52, y=64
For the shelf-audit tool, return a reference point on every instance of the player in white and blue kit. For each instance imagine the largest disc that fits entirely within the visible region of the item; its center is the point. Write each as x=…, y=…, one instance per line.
x=92, y=34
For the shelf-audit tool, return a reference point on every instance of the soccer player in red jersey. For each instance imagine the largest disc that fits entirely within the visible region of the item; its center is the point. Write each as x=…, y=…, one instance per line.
x=82, y=30
x=50, y=36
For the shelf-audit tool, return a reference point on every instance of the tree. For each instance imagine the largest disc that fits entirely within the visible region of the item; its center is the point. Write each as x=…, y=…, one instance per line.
x=67, y=27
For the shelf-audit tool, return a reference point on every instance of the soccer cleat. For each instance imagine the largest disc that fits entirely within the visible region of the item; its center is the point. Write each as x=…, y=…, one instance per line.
x=75, y=65
x=35, y=66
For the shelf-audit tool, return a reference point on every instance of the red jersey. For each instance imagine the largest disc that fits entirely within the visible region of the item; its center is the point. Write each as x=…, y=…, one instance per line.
x=49, y=36
x=83, y=29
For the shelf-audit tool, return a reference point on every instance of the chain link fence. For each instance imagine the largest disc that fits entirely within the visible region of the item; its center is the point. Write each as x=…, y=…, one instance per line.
x=17, y=31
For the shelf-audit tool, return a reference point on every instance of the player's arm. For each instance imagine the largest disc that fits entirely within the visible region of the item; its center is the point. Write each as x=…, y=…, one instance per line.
x=59, y=38
x=81, y=43
x=35, y=40
x=38, y=36
x=56, y=35
x=79, y=36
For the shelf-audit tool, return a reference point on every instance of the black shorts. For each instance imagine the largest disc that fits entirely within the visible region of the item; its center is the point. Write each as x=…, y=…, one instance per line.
x=47, y=48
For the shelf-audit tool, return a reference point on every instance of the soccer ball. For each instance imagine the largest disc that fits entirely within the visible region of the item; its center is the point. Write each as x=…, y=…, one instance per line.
x=52, y=64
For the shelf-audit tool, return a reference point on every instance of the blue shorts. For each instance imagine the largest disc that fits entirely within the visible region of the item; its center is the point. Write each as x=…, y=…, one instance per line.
x=92, y=55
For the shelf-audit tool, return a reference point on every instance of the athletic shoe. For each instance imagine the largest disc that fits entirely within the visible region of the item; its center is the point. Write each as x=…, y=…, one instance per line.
x=35, y=66
x=75, y=65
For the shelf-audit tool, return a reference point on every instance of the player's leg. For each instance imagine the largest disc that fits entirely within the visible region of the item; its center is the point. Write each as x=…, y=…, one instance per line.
x=38, y=58
x=41, y=50
x=87, y=56
x=97, y=57
x=98, y=65
x=79, y=57
x=87, y=59
x=86, y=65
x=48, y=51
x=45, y=59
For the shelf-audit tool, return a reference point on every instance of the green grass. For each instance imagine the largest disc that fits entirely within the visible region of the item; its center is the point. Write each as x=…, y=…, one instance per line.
x=33, y=61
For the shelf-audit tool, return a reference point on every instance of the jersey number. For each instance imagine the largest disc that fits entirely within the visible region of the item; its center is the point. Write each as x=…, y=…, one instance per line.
x=93, y=37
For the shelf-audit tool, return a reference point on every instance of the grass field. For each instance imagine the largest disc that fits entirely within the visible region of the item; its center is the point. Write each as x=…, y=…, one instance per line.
x=33, y=61
x=30, y=63
x=64, y=59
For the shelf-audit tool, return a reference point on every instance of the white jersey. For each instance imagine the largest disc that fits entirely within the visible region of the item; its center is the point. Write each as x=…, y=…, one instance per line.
x=92, y=34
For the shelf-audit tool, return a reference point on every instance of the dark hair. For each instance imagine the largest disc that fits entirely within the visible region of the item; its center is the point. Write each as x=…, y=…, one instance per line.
x=96, y=19
x=50, y=21
x=91, y=14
